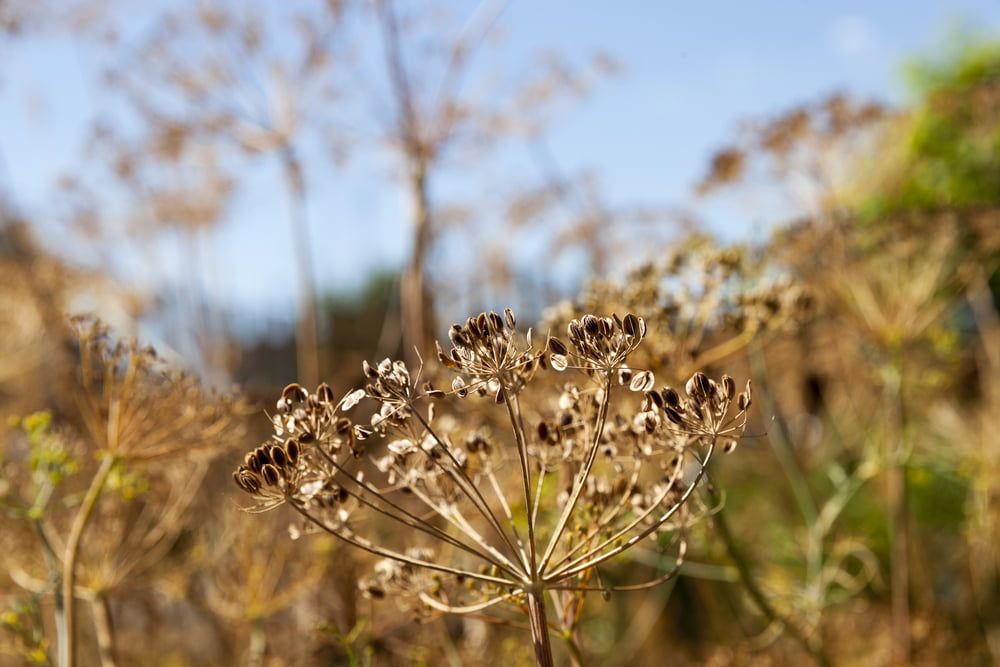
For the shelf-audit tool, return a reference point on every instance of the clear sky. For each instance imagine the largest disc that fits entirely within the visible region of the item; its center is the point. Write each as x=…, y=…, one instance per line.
x=691, y=72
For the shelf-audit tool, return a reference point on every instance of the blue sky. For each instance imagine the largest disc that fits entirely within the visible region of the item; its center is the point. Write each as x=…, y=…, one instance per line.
x=690, y=73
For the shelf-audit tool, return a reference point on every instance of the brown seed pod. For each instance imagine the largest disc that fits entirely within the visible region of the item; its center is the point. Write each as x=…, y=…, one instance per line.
x=728, y=387
x=278, y=456
x=251, y=462
x=673, y=415
x=671, y=397
x=294, y=393
x=247, y=480
x=292, y=450
x=270, y=474
x=630, y=325
x=324, y=393
x=556, y=346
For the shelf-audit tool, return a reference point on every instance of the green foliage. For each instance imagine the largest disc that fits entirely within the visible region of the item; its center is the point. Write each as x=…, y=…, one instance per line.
x=950, y=142
x=28, y=643
x=50, y=460
x=129, y=483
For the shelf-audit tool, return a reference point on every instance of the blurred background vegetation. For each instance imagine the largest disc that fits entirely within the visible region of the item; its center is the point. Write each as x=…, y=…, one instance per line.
x=271, y=193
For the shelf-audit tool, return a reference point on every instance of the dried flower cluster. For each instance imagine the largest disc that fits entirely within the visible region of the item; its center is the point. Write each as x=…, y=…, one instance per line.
x=706, y=303
x=584, y=474
x=125, y=449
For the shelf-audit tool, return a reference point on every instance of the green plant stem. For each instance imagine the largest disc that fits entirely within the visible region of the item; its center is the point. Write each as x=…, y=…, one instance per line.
x=80, y=521
x=576, y=655
x=899, y=515
x=758, y=596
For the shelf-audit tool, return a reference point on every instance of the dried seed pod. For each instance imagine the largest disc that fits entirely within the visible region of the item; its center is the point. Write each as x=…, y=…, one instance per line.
x=278, y=456
x=728, y=387
x=251, y=461
x=262, y=456
x=642, y=381
x=324, y=393
x=292, y=451
x=294, y=393
x=649, y=422
x=457, y=336
x=247, y=480
x=559, y=362
x=607, y=327
x=508, y=316
x=673, y=415
x=543, y=431
x=575, y=330
x=671, y=397
x=705, y=386
x=352, y=399
x=270, y=474
x=557, y=347
x=630, y=325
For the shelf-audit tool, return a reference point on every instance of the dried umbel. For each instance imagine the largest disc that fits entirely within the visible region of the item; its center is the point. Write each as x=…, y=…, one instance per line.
x=590, y=467
x=106, y=480
x=705, y=303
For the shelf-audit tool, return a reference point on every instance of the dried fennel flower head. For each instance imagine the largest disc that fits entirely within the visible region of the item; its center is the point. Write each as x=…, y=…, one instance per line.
x=705, y=302
x=588, y=466
x=135, y=407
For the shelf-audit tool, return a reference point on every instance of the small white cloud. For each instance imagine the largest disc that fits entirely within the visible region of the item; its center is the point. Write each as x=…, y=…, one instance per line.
x=852, y=35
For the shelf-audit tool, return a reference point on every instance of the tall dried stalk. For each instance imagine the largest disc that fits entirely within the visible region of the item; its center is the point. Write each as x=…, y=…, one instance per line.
x=307, y=327
x=80, y=522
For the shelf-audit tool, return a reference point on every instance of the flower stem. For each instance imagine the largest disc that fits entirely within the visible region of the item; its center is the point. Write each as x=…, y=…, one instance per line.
x=80, y=522
x=104, y=628
x=539, y=629
x=757, y=595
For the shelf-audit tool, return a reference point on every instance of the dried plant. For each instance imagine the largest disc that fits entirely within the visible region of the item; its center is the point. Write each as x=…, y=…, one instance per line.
x=109, y=453
x=233, y=553
x=707, y=303
x=594, y=474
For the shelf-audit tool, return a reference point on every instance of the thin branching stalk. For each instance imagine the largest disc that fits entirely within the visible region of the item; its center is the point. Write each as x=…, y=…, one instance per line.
x=899, y=515
x=104, y=629
x=80, y=521
x=257, y=645
x=581, y=478
x=758, y=596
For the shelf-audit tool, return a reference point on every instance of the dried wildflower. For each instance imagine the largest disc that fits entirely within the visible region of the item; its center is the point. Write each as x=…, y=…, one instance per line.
x=596, y=475
x=705, y=302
